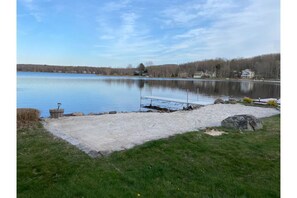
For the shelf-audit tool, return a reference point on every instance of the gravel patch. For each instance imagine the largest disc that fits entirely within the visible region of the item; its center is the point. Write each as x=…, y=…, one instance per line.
x=101, y=135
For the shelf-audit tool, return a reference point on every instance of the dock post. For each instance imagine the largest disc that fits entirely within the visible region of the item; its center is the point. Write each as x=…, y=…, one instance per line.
x=140, y=99
x=151, y=95
x=187, y=98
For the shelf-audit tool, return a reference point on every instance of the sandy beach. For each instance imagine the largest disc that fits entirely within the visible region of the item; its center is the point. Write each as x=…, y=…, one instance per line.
x=101, y=135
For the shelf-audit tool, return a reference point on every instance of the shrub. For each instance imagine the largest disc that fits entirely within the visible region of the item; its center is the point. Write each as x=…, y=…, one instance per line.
x=272, y=103
x=247, y=100
x=27, y=115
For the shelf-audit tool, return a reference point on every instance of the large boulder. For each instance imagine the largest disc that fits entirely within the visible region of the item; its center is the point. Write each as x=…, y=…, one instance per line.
x=219, y=101
x=242, y=122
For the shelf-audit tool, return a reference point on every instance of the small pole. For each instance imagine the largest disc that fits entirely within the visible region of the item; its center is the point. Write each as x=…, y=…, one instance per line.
x=151, y=95
x=187, y=97
x=140, y=99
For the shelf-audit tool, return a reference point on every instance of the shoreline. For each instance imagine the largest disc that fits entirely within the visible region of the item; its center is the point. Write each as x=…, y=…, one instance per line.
x=170, y=78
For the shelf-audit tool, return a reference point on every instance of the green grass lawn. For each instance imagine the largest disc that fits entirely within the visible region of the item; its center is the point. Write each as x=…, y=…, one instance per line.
x=188, y=165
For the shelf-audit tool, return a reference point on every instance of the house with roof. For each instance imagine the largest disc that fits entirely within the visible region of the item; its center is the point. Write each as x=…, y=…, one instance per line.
x=199, y=74
x=206, y=74
x=247, y=73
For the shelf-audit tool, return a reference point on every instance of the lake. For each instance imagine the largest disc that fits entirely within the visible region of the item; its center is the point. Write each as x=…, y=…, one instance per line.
x=89, y=93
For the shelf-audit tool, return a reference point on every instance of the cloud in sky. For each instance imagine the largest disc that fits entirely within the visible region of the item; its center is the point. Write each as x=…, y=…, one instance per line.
x=32, y=9
x=116, y=5
x=118, y=33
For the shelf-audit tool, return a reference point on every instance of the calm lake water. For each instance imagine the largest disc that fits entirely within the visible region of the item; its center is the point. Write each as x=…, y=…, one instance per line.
x=89, y=93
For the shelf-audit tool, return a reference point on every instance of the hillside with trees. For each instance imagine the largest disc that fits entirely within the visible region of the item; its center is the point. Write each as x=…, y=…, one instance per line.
x=265, y=66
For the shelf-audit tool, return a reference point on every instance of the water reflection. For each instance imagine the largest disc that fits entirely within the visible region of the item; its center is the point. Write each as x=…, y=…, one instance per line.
x=236, y=89
x=246, y=87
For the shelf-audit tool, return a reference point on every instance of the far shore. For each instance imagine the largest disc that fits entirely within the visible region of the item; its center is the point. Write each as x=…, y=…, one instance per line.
x=175, y=78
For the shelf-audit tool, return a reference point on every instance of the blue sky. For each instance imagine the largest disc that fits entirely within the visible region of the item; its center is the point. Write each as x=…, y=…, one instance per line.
x=118, y=33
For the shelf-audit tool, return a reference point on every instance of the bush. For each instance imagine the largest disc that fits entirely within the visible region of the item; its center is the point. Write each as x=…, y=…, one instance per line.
x=247, y=100
x=272, y=103
x=27, y=115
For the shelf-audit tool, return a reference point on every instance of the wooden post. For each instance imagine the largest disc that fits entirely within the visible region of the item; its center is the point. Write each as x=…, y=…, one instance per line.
x=140, y=100
x=187, y=97
x=151, y=95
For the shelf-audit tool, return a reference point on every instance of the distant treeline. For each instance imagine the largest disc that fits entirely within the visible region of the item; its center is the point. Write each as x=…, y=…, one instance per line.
x=264, y=66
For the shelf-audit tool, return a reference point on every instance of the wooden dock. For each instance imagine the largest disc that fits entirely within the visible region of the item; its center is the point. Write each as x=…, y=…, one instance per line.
x=188, y=102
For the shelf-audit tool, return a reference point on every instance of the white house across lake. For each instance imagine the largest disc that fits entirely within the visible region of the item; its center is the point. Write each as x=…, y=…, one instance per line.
x=247, y=73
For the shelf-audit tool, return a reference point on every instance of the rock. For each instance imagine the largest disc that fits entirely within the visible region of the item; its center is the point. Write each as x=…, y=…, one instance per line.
x=188, y=108
x=197, y=106
x=77, y=114
x=242, y=122
x=232, y=101
x=219, y=101
x=112, y=112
